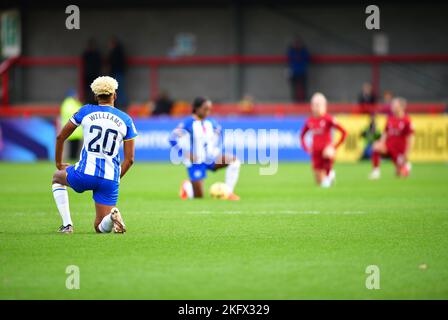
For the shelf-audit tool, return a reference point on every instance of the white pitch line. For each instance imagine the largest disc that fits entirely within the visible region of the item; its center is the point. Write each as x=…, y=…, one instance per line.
x=281, y=212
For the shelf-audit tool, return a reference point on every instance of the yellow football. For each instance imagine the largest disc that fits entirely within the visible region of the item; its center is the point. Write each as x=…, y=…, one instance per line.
x=219, y=190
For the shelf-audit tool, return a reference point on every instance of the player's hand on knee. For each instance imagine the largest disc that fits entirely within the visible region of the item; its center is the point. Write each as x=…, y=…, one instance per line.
x=379, y=146
x=329, y=152
x=62, y=166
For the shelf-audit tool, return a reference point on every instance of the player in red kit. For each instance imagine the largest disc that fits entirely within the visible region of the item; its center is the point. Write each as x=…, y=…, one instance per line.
x=396, y=141
x=322, y=150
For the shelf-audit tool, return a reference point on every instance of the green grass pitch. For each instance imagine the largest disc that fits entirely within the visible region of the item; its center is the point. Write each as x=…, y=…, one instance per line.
x=286, y=238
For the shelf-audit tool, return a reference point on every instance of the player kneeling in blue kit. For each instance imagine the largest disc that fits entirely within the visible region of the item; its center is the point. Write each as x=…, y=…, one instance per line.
x=197, y=139
x=105, y=128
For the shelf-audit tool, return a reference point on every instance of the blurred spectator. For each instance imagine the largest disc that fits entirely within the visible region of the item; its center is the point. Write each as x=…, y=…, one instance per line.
x=247, y=104
x=70, y=106
x=298, y=61
x=367, y=95
x=387, y=100
x=162, y=104
x=91, y=59
x=367, y=99
x=116, y=62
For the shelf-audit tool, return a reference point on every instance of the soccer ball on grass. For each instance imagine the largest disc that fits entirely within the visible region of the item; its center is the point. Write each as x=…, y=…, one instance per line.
x=219, y=190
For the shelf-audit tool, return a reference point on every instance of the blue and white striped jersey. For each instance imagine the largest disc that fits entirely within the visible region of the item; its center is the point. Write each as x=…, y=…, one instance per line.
x=104, y=129
x=198, y=137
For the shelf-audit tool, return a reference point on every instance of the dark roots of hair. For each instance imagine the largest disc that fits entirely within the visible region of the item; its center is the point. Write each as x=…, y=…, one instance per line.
x=198, y=102
x=103, y=97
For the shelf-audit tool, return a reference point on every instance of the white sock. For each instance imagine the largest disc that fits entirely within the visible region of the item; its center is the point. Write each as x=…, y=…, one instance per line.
x=188, y=187
x=60, y=195
x=106, y=224
x=232, y=173
x=326, y=183
x=332, y=175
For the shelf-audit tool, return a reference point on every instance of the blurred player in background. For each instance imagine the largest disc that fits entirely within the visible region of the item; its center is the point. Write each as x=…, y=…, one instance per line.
x=369, y=135
x=322, y=150
x=197, y=138
x=396, y=141
x=104, y=128
x=69, y=107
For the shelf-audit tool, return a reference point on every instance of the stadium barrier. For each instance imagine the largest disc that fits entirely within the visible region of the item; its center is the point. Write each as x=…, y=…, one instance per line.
x=31, y=139
x=234, y=109
x=154, y=64
x=27, y=139
x=242, y=136
x=431, y=137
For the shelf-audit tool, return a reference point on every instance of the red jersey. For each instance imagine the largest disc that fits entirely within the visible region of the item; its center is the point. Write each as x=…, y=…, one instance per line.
x=321, y=129
x=397, y=131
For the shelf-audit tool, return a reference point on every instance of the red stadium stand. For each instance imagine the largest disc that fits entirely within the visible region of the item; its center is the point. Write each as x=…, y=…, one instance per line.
x=153, y=64
x=260, y=109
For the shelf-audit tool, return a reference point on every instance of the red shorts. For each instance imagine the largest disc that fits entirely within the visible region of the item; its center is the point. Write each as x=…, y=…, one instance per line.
x=396, y=153
x=319, y=162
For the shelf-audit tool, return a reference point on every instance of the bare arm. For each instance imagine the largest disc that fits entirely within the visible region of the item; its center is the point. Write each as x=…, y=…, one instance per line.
x=177, y=135
x=129, y=153
x=383, y=137
x=60, y=139
x=302, y=138
x=343, y=135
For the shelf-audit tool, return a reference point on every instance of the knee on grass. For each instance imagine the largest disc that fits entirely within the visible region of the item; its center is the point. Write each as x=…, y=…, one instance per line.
x=58, y=177
x=198, y=193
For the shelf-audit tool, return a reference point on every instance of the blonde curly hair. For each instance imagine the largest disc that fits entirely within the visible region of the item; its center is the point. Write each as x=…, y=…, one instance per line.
x=104, y=86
